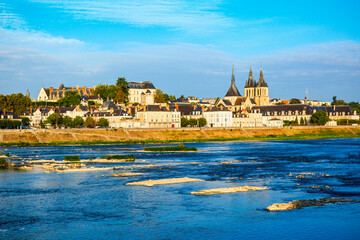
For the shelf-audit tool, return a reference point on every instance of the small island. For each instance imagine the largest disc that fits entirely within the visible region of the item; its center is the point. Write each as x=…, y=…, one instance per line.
x=180, y=148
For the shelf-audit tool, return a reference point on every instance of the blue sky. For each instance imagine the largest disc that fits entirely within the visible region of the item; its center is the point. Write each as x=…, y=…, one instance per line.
x=183, y=47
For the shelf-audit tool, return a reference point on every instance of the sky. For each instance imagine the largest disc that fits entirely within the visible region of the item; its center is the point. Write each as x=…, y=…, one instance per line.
x=183, y=47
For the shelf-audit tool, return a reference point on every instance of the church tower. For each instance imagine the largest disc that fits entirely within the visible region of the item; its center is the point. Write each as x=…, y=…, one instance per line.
x=233, y=93
x=261, y=91
x=250, y=85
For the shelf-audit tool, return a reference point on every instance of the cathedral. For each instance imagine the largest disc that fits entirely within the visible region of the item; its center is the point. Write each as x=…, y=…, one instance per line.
x=255, y=94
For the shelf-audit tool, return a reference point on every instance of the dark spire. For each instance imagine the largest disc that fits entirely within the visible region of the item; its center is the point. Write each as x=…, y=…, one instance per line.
x=250, y=82
x=262, y=82
x=233, y=91
x=233, y=76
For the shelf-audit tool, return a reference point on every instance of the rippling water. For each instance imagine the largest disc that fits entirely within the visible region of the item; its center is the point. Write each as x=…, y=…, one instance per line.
x=38, y=205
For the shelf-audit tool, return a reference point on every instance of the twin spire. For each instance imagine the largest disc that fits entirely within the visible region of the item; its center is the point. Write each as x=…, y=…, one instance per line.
x=252, y=83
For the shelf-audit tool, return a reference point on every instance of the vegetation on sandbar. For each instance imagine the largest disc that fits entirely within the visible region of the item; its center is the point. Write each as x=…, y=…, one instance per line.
x=180, y=148
x=72, y=158
x=125, y=157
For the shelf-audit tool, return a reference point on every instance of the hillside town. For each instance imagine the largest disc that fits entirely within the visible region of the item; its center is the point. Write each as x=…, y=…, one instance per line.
x=141, y=105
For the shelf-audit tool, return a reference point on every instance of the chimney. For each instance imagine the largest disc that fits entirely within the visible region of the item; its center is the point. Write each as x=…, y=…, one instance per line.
x=72, y=88
x=176, y=106
x=202, y=108
x=111, y=110
x=98, y=95
x=221, y=107
x=194, y=107
x=51, y=90
x=334, y=107
x=167, y=107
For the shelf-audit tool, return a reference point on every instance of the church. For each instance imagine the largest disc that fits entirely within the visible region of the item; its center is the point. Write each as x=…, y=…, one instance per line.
x=255, y=94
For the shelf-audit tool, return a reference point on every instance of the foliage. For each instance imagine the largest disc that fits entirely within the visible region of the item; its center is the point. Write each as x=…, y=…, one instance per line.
x=347, y=121
x=42, y=125
x=180, y=148
x=25, y=121
x=71, y=98
x=8, y=123
x=106, y=91
x=77, y=122
x=72, y=158
x=355, y=106
x=280, y=103
x=90, y=122
x=91, y=103
x=122, y=84
x=17, y=102
x=202, y=122
x=67, y=121
x=295, y=101
x=55, y=119
x=319, y=117
x=7, y=154
x=127, y=157
x=103, y=122
x=3, y=163
x=159, y=96
x=193, y=122
x=184, y=122
x=169, y=97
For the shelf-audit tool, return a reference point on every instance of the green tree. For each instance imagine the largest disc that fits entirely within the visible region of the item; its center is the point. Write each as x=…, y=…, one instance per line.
x=319, y=117
x=42, y=125
x=302, y=121
x=122, y=83
x=193, y=122
x=106, y=91
x=184, y=122
x=71, y=98
x=90, y=122
x=202, y=122
x=103, y=122
x=355, y=106
x=295, y=101
x=17, y=102
x=67, y=121
x=55, y=119
x=334, y=101
x=25, y=121
x=77, y=122
x=159, y=96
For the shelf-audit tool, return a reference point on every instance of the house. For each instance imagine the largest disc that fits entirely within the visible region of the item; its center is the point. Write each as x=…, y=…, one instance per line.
x=218, y=117
x=158, y=116
x=142, y=92
x=54, y=94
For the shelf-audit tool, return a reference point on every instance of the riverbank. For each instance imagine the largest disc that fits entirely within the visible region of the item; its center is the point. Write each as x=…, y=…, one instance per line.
x=29, y=137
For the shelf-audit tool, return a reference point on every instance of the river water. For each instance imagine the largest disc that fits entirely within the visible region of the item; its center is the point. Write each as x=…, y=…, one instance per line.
x=96, y=205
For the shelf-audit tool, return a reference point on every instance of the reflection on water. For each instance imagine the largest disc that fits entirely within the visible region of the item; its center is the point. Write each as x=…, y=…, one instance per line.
x=87, y=205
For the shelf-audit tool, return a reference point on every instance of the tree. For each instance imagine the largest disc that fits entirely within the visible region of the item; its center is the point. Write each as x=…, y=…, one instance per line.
x=280, y=103
x=103, y=122
x=122, y=83
x=54, y=119
x=159, y=96
x=202, y=122
x=42, y=125
x=120, y=96
x=77, y=122
x=67, y=121
x=25, y=121
x=184, y=122
x=319, y=117
x=193, y=122
x=71, y=98
x=18, y=103
x=302, y=122
x=90, y=122
x=334, y=101
x=106, y=91
x=295, y=101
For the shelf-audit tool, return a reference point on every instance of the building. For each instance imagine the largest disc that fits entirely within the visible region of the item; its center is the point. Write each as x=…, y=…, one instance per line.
x=142, y=92
x=54, y=94
x=247, y=119
x=158, y=116
x=218, y=117
x=257, y=91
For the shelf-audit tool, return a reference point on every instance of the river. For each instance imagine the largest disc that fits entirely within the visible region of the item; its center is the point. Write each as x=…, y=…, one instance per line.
x=96, y=205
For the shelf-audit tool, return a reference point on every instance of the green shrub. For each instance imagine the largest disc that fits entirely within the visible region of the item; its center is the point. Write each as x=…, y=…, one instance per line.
x=180, y=148
x=7, y=154
x=72, y=158
x=3, y=162
x=90, y=159
x=130, y=157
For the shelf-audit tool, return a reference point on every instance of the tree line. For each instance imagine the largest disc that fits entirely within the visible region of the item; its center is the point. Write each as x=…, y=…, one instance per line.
x=56, y=120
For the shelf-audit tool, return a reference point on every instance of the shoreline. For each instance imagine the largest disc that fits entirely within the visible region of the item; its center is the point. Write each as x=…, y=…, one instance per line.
x=162, y=136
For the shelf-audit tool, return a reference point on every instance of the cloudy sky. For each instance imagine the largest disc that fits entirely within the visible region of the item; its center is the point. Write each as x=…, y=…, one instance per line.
x=183, y=47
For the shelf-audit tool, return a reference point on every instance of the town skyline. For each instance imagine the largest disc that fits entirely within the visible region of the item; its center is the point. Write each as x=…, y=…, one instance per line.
x=184, y=48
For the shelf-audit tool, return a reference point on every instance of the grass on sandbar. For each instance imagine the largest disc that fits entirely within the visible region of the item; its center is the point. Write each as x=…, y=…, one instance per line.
x=180, y=148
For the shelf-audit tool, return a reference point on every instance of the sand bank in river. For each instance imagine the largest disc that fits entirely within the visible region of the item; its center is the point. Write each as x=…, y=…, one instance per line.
x=307, y=203
x=228, y=190
x=151, y=183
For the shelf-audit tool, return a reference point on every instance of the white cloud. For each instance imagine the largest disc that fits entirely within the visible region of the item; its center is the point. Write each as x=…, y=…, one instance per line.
x=195, y=16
